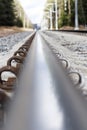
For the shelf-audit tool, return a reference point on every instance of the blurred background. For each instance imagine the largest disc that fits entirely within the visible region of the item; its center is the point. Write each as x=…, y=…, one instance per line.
x=44, y=14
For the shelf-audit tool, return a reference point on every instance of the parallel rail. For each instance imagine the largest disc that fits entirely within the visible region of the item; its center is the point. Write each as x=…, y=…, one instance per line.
x=79, y=32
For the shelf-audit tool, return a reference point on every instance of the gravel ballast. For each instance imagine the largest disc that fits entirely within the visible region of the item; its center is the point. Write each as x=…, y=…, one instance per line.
x=10, y=44
x=72, y=47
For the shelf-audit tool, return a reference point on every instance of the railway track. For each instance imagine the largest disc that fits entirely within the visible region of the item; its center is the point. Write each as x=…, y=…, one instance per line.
x=47, y=93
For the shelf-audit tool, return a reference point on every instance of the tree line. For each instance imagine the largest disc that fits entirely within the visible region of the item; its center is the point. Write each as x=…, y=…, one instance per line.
x=68, y=15
x=8, y=14
x=66, y=12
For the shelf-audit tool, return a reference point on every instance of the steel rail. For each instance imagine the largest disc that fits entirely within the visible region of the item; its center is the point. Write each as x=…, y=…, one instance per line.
x=45, y=98
x=80, y=32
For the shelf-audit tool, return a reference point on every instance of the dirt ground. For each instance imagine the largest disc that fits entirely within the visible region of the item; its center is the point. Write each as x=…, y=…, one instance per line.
x=5, y=31
x=81, y=27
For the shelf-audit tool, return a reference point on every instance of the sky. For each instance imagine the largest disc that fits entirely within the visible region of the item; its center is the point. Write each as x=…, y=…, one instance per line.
x=34, y=9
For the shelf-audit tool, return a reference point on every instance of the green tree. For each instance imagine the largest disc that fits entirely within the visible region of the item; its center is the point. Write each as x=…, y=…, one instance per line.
x=84, y=6
x=19, y=22
x=7, y=15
